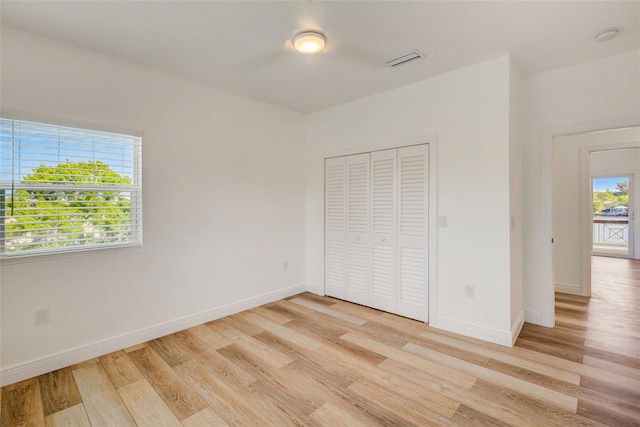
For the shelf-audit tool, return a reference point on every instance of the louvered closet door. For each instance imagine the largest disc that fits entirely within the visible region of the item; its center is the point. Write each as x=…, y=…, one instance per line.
x=358, y=241
x=383, y=230
x=335, y=227
x=413, y=184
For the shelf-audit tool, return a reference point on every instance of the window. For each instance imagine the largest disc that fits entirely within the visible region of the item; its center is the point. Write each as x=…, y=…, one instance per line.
x=66, y=189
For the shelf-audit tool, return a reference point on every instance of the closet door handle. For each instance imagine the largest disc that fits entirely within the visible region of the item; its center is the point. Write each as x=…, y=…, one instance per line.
x=384, y=239
x=357, y=237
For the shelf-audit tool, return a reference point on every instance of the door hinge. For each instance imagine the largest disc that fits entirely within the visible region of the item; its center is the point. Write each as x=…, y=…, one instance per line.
x=552, y=240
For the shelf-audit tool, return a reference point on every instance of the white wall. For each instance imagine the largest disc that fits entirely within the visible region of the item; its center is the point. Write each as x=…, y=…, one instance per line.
x=223, y=190
x=515, y=196
x=611, y=162
x=241, y=188
x=468, y=109
x=566, y=216
x=594, y=95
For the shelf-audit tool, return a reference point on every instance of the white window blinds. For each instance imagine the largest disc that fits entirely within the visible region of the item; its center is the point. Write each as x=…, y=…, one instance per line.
x=67, y=189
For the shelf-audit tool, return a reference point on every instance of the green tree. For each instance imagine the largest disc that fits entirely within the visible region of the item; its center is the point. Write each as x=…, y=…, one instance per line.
x=624, y=198
x=45, y=217
x=600, y=198
x=623, y=187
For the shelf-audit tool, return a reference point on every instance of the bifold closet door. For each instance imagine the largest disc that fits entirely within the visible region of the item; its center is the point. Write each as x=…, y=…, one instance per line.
x=376, y=231
x=335, y=227
x=358, y=234
x=413, y=215
x=383, y=230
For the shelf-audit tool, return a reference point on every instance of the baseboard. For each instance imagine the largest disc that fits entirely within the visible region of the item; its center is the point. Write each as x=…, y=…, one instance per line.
x=469, y=329
x=533, y=317
x=42, y=365
x=536, y=318
x=315, y=288
x=517, y=327
x=567, y=288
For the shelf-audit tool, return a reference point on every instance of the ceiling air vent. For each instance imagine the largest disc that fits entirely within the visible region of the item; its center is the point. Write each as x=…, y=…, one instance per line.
x=411, y=56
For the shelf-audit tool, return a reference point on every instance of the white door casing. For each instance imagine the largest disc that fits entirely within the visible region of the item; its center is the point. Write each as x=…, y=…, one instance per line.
x=614, y=231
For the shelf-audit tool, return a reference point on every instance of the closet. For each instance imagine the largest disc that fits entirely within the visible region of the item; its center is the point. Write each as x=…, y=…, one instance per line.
x=376, y=229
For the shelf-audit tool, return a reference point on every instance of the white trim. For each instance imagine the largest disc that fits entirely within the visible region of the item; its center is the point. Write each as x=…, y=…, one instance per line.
x=634, y=247
x=516, y=328
x=315, y=289
x=51, y=362
x=472, y=330
x=534, y=317
x=546, y=287
x=568, y=288
x=379, y=146
x=42, y=257
x=585, y=218
x=433, y=231
x=61, y=121
x=611, y=255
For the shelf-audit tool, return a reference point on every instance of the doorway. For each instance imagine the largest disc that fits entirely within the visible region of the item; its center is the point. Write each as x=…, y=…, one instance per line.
x=582, y=162
x=613, y=201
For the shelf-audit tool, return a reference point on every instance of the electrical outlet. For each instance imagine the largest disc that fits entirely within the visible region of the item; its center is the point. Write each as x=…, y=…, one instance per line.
x=285, y=266
x=42, y=316
x=468, y=291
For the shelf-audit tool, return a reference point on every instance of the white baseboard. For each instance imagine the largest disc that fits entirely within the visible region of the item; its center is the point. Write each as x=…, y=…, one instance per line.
x=536, y=318
x=517, y=327
x=316, y=289
x=469, y=329
x=533, y=317
x=51, y=362
x=567, y=288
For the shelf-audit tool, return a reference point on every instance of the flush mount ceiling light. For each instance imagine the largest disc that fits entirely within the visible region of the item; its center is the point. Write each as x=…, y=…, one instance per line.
x=309, y=42
x=607, y=34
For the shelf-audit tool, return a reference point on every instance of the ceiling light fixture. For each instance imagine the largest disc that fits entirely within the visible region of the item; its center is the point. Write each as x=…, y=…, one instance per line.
x=607, y=34
x=309, y=42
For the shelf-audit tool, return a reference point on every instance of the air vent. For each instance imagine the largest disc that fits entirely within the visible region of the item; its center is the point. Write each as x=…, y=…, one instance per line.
x=411, y=56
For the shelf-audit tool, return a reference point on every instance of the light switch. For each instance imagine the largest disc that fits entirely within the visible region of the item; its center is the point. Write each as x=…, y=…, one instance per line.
x=442, y=221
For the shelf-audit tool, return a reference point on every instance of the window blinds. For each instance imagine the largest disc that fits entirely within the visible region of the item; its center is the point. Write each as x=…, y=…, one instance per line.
x=67, y=189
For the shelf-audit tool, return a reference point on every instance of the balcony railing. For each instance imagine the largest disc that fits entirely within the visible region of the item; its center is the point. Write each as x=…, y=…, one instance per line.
x=611, y=236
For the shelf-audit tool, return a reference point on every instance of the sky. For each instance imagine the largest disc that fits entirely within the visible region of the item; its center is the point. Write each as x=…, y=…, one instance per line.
x=38, y=144
x=602, y=184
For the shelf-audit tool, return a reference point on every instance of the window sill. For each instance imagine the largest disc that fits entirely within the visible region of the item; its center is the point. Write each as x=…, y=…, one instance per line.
x=42, y=257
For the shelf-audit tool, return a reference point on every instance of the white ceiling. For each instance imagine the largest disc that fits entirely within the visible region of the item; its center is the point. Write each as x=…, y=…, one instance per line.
x=245, y=47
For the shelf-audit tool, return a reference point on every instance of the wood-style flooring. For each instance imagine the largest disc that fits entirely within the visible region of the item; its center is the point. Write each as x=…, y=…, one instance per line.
x=310, y=360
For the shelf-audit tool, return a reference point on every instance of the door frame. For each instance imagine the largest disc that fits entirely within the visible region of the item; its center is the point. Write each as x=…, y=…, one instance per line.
x=586, y=217
x=545, y=250
x=432, y=142
x=631, y=176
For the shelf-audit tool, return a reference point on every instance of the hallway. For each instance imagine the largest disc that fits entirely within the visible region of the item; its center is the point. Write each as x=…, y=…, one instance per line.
x=601, y=332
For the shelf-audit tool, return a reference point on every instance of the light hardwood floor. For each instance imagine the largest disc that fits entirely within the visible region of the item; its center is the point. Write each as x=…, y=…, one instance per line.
x=311, y=360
